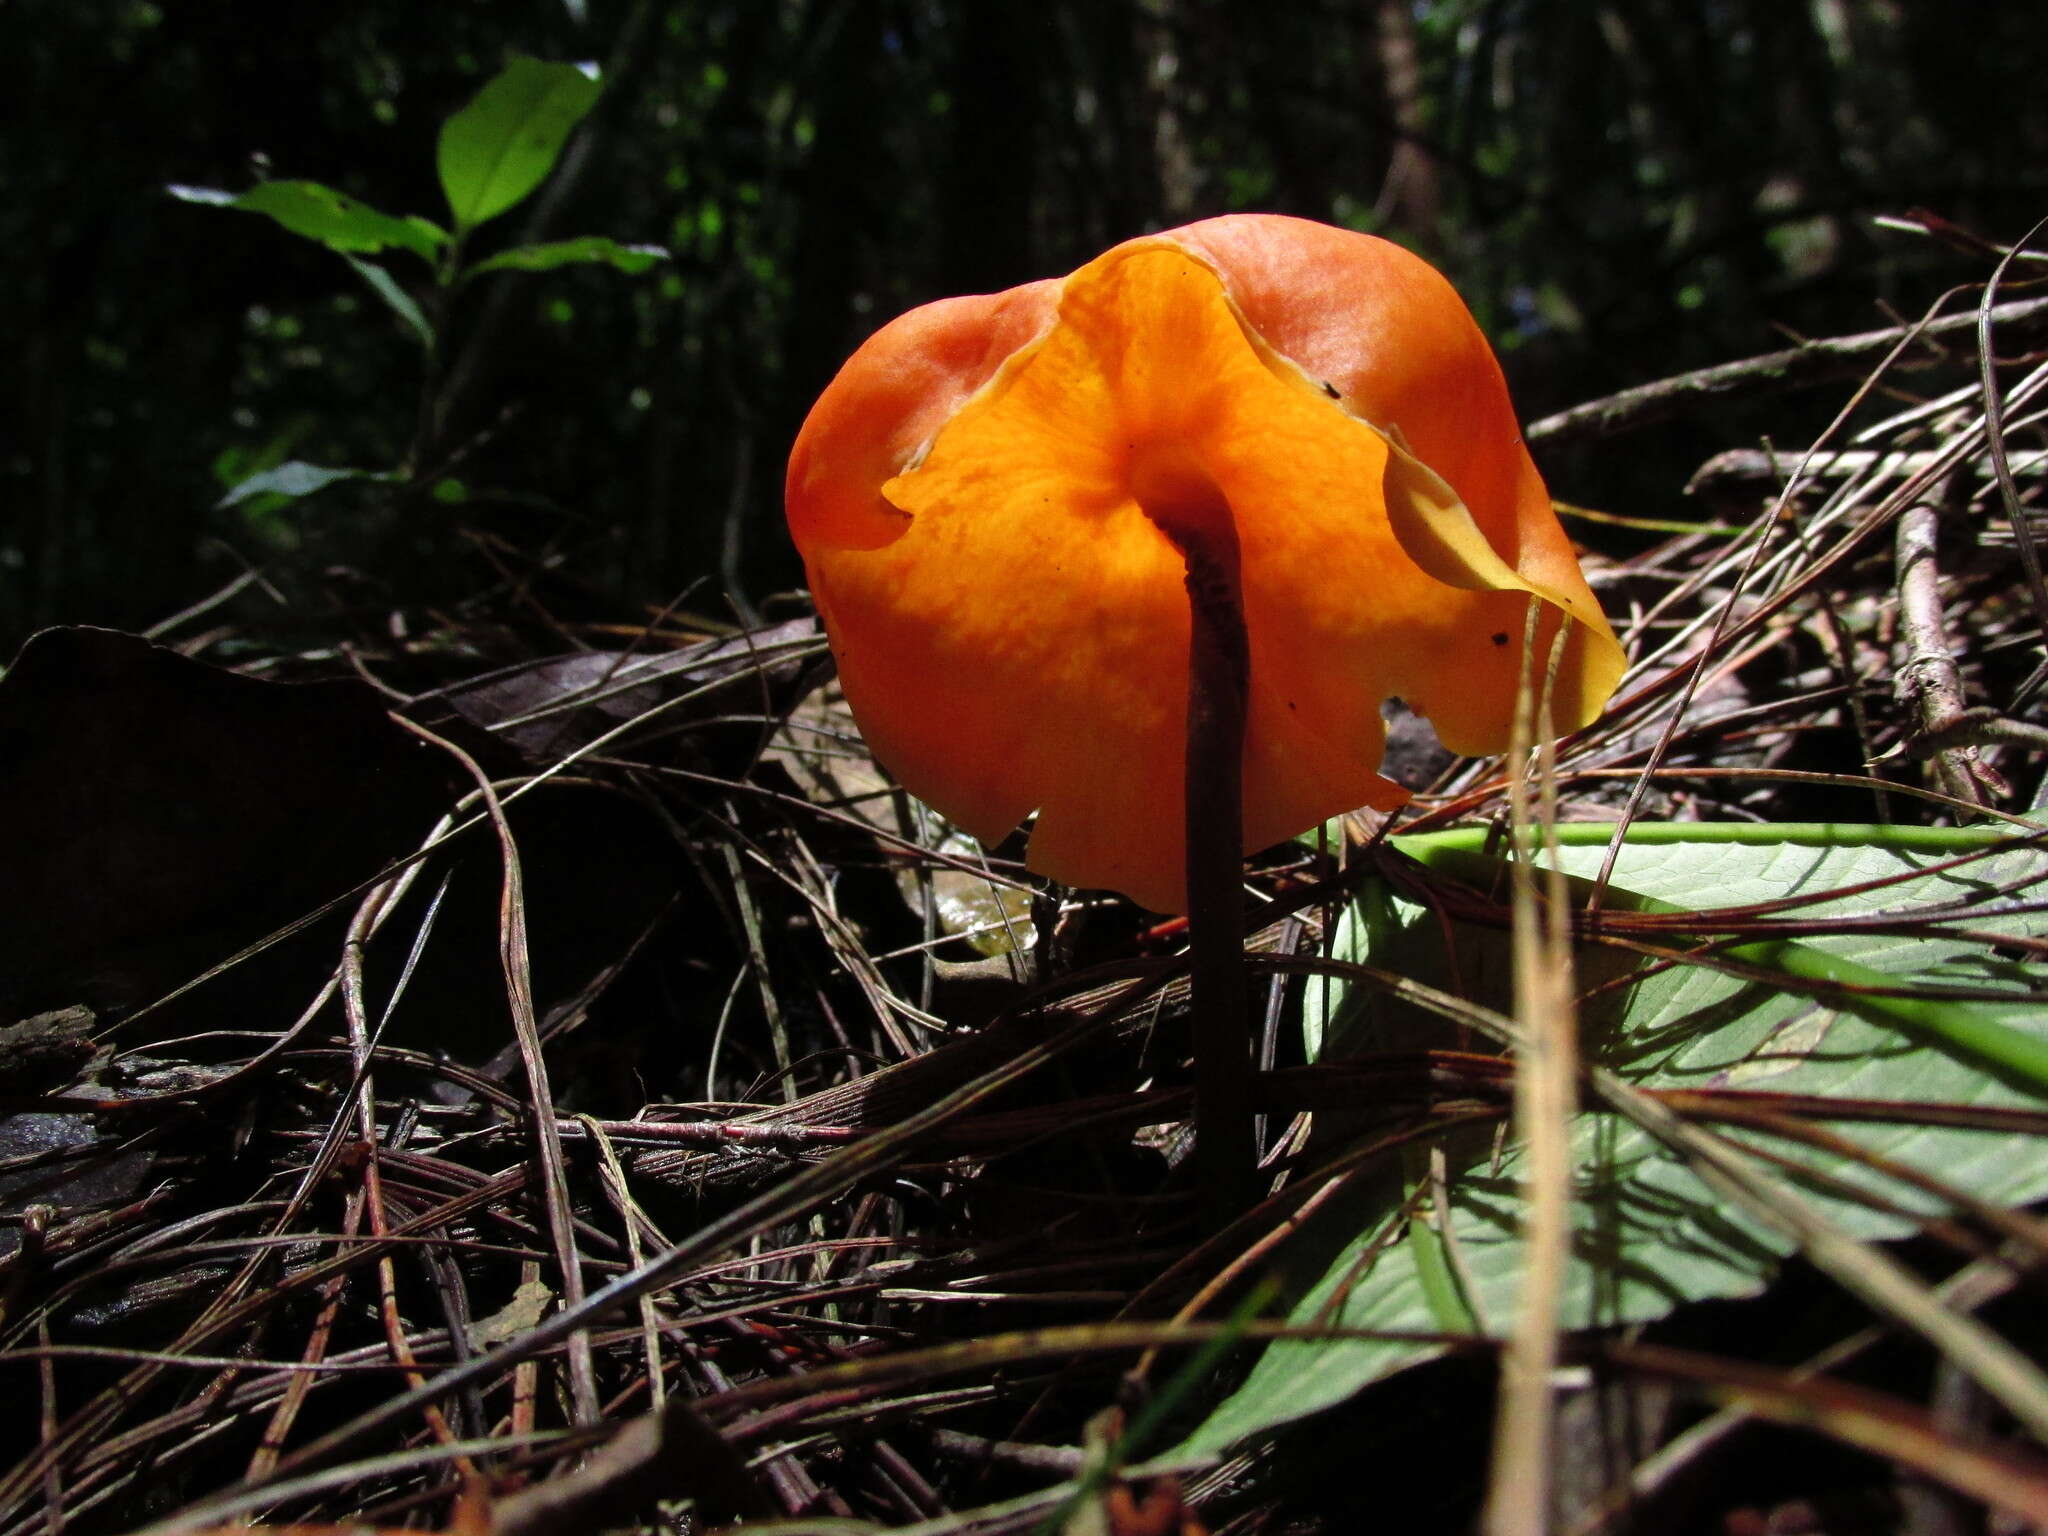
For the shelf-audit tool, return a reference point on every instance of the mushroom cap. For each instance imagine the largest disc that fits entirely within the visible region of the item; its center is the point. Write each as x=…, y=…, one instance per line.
x=994, y=496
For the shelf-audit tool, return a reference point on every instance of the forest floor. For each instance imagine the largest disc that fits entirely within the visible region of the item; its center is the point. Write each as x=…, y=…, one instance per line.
x=528, y=1075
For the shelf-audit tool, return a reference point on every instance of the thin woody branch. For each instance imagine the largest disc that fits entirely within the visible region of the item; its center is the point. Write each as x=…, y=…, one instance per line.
x=1811, y=362
x=1929, y=683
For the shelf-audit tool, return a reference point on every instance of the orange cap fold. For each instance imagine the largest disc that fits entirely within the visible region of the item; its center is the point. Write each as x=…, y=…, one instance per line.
x=991, y=497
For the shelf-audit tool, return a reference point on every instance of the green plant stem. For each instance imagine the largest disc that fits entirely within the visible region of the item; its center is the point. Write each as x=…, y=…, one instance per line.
x=427, y=423
x=1751, y=834
x=1219, y=675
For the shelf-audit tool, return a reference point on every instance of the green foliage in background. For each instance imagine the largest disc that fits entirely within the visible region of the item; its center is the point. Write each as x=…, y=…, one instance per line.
x=493, y=155
x=1620, y=191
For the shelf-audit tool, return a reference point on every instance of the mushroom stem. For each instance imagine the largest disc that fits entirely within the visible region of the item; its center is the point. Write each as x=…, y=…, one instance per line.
x=1219, y=675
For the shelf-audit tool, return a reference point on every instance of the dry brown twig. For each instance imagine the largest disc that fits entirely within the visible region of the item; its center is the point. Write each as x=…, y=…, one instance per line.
x=1928, y=681
x=1810, y=363
x=732, y=1243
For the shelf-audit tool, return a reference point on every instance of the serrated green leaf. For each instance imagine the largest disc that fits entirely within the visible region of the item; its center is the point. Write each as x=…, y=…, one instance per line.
x=1650, y=1235
x=633, y=259
x=320, y=213
x=496, y=150
x=295, y=479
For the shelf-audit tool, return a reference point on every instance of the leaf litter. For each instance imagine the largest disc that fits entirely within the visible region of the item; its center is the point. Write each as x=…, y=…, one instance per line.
x=869, y=1157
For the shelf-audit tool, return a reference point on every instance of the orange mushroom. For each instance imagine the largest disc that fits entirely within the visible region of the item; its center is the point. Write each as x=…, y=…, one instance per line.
x=998, y=499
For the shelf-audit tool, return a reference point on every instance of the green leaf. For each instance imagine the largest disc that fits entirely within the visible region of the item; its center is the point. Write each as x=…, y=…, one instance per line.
x=1650, y=1235
x=237, y=462
x=633, y=259
x=385, y=286
x=502, y=145
x=320, y=213
x=295, y=479
x=1975, y=1027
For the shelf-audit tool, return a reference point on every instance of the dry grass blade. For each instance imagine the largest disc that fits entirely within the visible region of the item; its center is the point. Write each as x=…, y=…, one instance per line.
x=1814, y=362
x=1886, y=1285
x=1994, y=435
x=791, y=1198
x=1969, y=1288
x=1546, y=1075
x=518, y=972
x=869, y=1161
x=2002, y=1477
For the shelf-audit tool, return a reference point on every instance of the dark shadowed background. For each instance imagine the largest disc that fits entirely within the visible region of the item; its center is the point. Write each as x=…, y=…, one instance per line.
x=1621, y=189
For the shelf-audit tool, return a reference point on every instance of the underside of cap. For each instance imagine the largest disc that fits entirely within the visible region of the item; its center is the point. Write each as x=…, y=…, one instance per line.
x=1019, y=641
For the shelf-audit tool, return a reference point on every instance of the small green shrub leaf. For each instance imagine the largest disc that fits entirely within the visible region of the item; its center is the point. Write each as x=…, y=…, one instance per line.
x=633, y=259
x=322, y=214
x=401, y=303
x=295, y=479
x=502, y=145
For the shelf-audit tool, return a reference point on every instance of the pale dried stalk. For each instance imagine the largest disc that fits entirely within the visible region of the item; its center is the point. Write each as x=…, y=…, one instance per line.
x=1546, y=1073
x=1929, y=680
